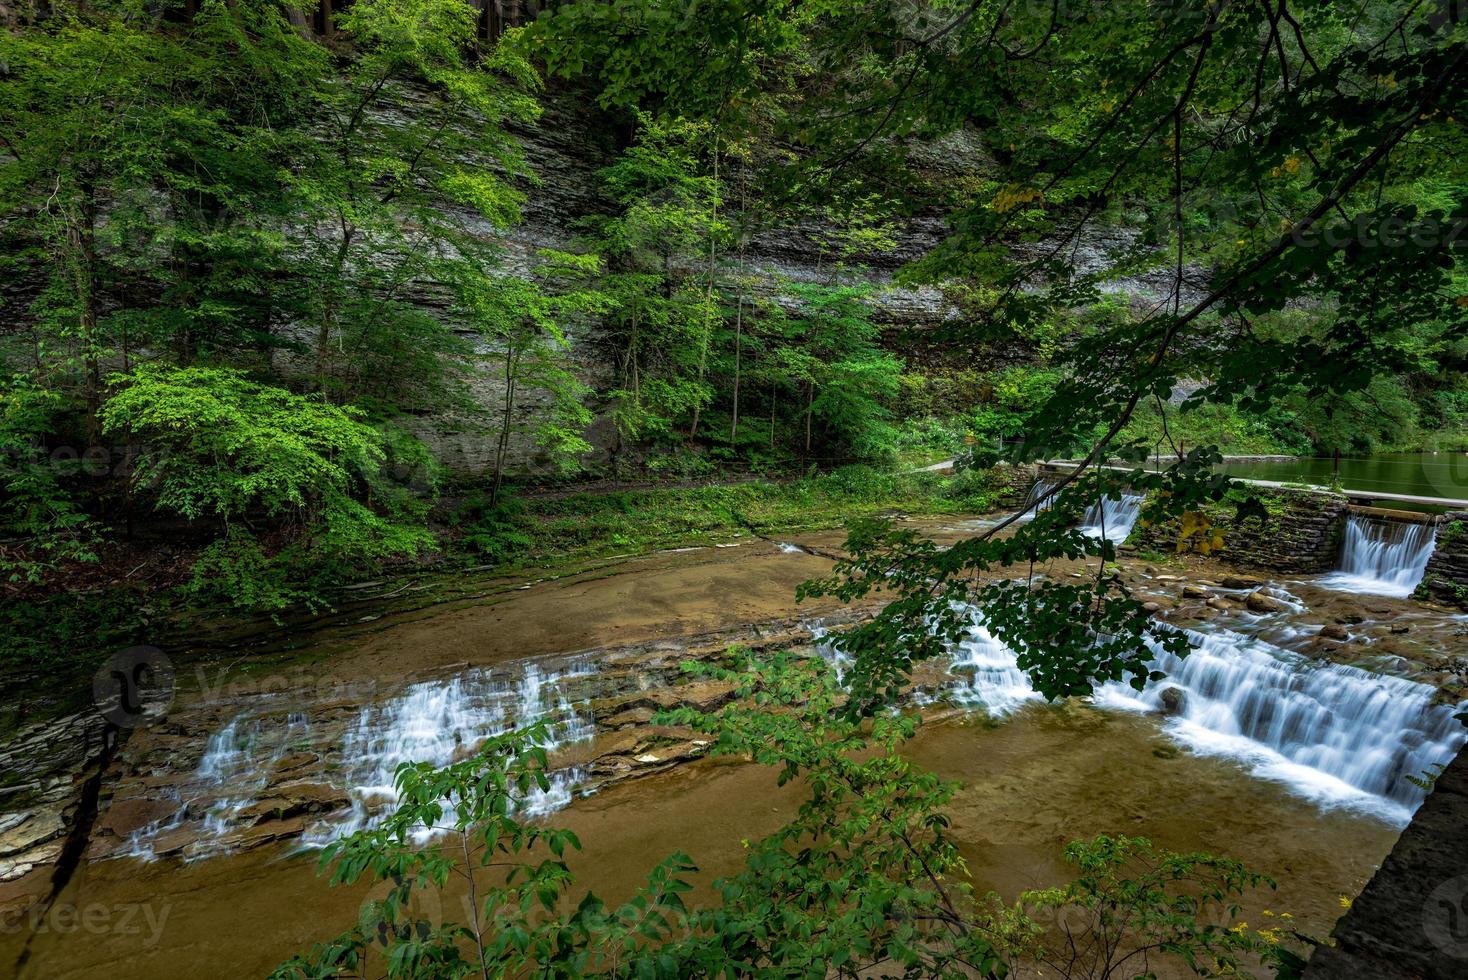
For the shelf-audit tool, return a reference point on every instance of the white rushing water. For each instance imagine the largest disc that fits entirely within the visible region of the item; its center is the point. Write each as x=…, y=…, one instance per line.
x=1382, y=557
x=1335, y=734
x=441, y=722
x=436, y=722
x=1113, y=518
x=1034, y=503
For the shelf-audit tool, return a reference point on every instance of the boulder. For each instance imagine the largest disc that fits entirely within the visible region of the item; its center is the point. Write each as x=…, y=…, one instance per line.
x=1173, y=700
x=1260, y=601
x=1334, y=631
x=1242, y=582
x=1196, y=592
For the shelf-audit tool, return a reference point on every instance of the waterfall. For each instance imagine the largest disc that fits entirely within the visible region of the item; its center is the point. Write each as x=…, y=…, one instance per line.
x=436, y=722
x=989, y=675
x=1382, y=557
x=441, y=722
x=1033, y=502
x=1113, y=518
x=1336, y=734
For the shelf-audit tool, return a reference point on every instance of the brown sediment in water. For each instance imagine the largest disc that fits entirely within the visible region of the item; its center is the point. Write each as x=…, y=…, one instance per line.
x=1047, y=776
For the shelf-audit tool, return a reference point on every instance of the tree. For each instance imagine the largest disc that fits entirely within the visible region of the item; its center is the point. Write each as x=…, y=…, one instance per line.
x=125, y=172
x=656, y=249
x=413, y=152
x=519, y=319
x=863, y=881
x=221, y=447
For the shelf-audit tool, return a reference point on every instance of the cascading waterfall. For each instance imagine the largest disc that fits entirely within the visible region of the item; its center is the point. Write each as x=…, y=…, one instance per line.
x=1382, y=557
x=1037, y=500
x=989, y=675
x=1336, y=734
x=1113, y=518
x=236, y=766
x=438, y=722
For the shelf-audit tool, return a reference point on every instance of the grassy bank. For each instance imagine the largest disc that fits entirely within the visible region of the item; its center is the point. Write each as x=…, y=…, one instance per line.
x=73, y=628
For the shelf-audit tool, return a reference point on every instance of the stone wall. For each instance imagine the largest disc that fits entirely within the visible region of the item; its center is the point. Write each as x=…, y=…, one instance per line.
x=1300, y=534
x=1411, y=921
x=1012, y=485
x=1446, y=578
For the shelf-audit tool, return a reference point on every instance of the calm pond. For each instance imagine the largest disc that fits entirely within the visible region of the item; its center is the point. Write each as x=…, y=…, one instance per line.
x=1443, y=474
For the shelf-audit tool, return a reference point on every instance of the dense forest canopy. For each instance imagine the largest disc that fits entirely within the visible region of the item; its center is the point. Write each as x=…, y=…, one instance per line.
x=265, y=263
x=261, y=259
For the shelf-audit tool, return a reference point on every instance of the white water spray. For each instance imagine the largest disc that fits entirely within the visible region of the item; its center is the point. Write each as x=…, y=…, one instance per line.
x=1113, y=518
x=1382, y=557
x=1336, y=734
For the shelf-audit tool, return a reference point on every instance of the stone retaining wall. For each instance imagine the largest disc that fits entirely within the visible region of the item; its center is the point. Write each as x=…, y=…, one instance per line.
x=1408, y=922
x=1300, y=534
x=1012, y=484
x=1446, y=579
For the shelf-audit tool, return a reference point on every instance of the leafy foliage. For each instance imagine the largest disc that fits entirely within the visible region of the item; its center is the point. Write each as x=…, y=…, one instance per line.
x=863, y=881
x=217, y=445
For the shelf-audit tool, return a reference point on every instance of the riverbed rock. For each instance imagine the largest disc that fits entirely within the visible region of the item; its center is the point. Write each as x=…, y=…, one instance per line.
x=1242, y=582
x=1173, y=700
x=1196, y=592
x=1260, y=601
x=295, y=799
x=1334, y=631
x=1221, y=604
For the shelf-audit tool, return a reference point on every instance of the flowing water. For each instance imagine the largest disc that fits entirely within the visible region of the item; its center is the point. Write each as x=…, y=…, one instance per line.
x=1113, y=518
x=1335, y=734
x=1039, y=498
x=1293, y=764
x=1382, y=557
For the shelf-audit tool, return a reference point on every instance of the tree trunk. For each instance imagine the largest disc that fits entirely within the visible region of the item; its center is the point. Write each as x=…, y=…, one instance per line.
x=327, y=30
x=738, y=309
x=508, y=417
x=330, y=302
x=708, y=295
x=82, y=239
x=773, y=412
x=810, y=401
x=300, y=22
x=738, y=353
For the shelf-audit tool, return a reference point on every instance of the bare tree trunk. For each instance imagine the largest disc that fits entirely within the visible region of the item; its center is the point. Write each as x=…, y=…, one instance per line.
x=810, y=401
x=511, y=357
x=773, y=412
x=300, y=22
x=330, y=302
x=708, y=295
x=327, y=30
x=738, y=353
x=738, y=310
x=82, y=239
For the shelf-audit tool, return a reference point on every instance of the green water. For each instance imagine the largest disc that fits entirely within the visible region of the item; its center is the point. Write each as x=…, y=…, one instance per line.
x=1421, y=474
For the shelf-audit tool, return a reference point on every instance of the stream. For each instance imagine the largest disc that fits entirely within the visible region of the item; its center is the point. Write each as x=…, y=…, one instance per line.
x=1267, y=744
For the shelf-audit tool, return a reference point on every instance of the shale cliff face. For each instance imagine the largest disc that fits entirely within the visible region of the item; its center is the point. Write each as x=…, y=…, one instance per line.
x=565, y=150
x=1411, y=922
x=571, y=144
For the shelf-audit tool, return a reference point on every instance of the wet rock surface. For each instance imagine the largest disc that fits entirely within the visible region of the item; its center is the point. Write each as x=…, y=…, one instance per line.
x=1407, y=923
